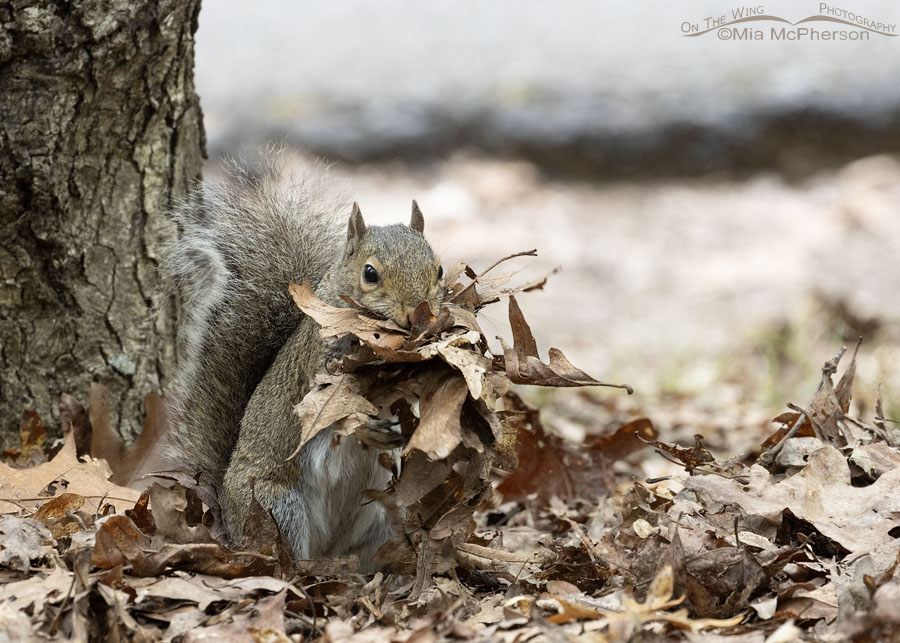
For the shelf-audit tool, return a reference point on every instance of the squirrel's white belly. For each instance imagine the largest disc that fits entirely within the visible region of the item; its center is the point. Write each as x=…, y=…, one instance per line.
x=331, y=514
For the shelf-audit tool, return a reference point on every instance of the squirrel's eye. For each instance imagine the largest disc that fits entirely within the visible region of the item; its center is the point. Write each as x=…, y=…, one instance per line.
x=370, y=275
x=440, y=272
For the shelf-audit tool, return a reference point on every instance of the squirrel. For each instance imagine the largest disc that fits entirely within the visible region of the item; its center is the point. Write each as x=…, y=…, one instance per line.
x=247, y=354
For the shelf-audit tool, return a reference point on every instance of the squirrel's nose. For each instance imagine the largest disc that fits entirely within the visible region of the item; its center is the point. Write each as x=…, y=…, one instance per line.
x=409, y=320
x=404, y=319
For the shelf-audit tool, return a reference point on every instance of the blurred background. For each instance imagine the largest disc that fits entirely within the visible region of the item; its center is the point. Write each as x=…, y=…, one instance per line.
x=726, y=213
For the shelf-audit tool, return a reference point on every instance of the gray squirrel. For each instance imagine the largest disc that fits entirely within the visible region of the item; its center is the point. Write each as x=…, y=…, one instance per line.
x=247, y=354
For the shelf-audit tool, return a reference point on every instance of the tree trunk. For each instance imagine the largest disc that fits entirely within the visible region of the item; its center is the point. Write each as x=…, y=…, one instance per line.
x=101, y=129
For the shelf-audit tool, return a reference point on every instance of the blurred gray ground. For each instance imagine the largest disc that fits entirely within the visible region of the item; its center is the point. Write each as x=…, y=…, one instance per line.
x=589, y=88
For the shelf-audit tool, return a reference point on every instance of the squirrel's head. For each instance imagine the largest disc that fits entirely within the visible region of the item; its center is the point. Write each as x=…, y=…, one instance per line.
x=390, y=269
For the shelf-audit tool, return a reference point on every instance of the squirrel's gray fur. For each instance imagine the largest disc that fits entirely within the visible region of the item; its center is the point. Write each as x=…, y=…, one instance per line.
x=247, y=354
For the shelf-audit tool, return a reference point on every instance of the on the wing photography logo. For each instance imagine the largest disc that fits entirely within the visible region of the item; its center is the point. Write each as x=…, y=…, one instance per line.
x=831, y=23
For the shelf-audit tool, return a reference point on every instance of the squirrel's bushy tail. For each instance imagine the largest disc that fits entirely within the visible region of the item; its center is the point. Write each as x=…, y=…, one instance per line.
x=241, y=242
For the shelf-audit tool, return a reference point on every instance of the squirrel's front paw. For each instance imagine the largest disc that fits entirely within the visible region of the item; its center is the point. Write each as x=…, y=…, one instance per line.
x=380, y=434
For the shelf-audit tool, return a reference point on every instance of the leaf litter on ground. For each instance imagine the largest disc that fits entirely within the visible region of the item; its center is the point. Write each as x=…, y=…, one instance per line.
x=575, y=542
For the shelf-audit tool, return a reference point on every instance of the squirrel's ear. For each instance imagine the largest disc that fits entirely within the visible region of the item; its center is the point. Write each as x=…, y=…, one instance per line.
x=356, y=228
x=417, y=221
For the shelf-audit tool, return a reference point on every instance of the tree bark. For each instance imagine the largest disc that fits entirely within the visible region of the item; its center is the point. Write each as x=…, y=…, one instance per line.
x=100, y=128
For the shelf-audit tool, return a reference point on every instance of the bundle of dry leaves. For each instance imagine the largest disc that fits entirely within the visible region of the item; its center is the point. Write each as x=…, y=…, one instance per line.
x=798, y=541
x=457, y=416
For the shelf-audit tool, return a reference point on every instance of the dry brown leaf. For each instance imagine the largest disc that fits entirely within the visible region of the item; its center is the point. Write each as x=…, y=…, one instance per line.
x=457, y=352
x=334, y=399
x=55, y=515
x=170, y=508
x=720, y=581
x=200, y=590
x=335, y=321
x=550, y=467
x=140, y=514
x=659, y=598
x=510, y=565
x=843, y=392
x=56, y=508
x=574, y=611
x=440, y=405
x=427, y=323
x=24, y=540
x=22, y=488
x=524, y=366
x=73, y=418
x=691, y=458
x=203, y=590
x=826, y=414
x=263, y=621
x=623, y=442
x=875, y=459
x=795, y=452
x=828, y=406
x=545, y=466
x=33, y=593
x=859, y=519
x=120, y=542
x=573, y=605
x=260, y=533
x=812, y=604
x=421, y=475
x=144, y=455
x=31, y=439
x=787, y=420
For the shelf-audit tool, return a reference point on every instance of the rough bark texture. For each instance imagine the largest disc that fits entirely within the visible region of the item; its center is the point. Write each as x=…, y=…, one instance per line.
x=100, y=129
